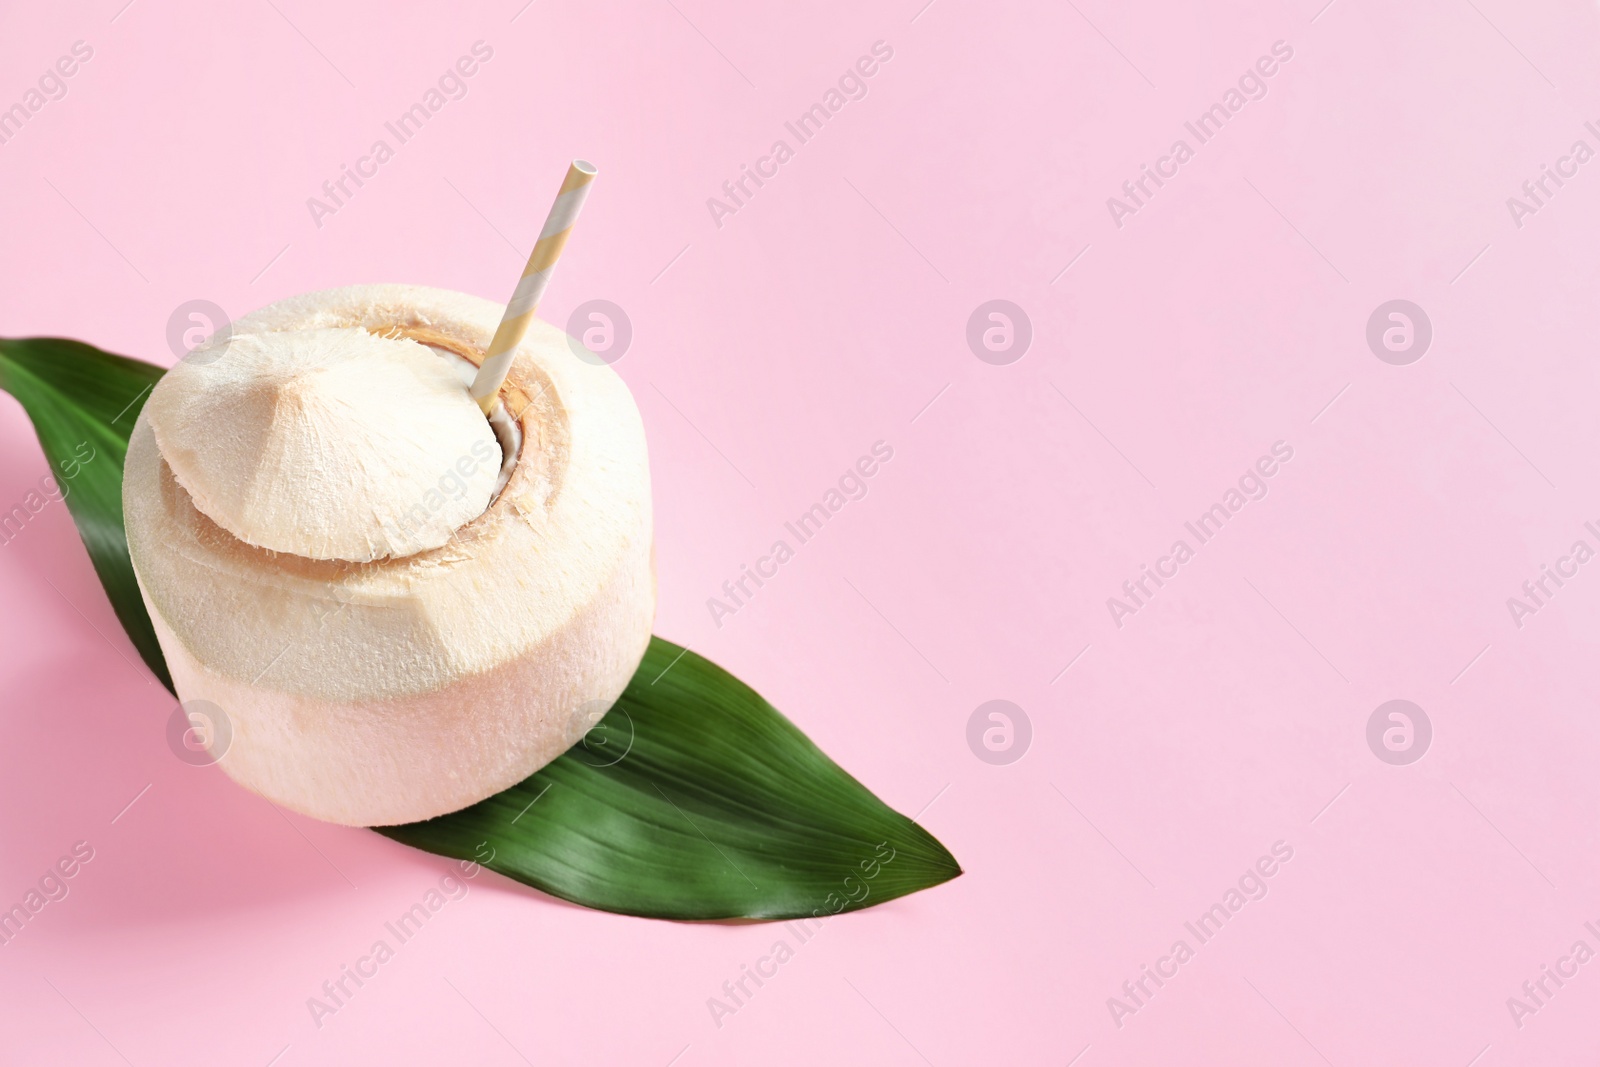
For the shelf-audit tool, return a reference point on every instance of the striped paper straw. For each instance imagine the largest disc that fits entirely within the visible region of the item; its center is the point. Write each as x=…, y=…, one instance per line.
x=530, y=287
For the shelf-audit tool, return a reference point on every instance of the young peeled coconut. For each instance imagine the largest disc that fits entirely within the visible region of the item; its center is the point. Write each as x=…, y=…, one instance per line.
x=401, y=606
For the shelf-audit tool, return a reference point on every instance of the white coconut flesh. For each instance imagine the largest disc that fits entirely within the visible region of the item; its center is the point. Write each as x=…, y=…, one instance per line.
x=396, y=617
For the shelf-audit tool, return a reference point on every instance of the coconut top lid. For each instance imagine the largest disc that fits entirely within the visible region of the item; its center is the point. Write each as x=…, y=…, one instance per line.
x=326, y=443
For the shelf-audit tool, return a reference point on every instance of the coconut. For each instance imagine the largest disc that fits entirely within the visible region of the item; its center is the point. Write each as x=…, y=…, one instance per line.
x=400, y=606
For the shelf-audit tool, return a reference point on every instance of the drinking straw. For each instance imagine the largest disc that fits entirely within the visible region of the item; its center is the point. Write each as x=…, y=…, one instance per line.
x=530, y=287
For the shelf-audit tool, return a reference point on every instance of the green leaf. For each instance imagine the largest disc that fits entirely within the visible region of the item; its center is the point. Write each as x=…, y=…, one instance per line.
x=83, y=403
x=692, y=799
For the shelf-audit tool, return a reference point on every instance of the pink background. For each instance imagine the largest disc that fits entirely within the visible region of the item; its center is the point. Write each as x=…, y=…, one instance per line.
x=827, y=314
